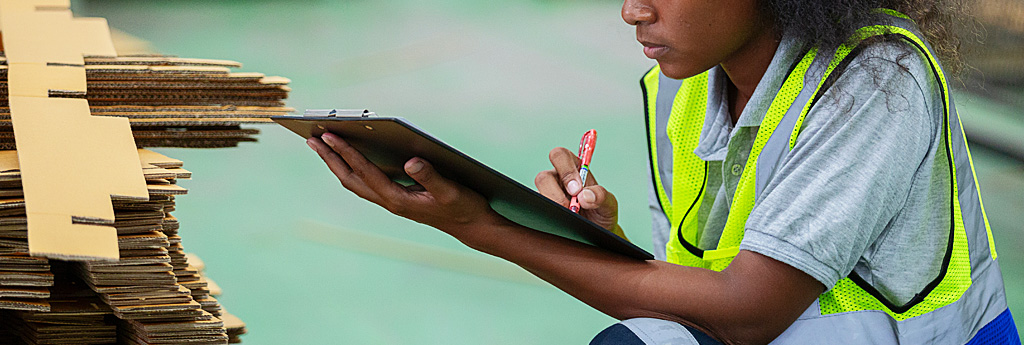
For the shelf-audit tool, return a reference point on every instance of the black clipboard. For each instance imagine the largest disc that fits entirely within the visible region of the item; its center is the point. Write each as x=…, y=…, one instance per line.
x=389, y=142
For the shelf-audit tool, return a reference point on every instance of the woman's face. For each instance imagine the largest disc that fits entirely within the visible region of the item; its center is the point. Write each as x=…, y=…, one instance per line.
x=688, y=37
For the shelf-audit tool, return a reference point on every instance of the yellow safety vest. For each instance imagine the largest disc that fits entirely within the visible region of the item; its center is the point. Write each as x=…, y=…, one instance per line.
x=969, y=296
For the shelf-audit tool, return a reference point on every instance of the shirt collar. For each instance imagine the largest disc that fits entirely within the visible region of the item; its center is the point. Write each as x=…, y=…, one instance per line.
x=718, y=127
x=788, y=52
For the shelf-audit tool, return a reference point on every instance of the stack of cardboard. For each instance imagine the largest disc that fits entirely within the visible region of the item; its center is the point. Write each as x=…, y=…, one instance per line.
x=70, y=322
x=89, y=252
x=171, y=101
x=235, y=326
x=74, y=316
x=152, y=288
x=24, y=280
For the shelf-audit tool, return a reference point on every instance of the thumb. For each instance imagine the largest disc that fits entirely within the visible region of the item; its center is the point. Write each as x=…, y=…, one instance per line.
x=424, y=174
x=599, y=199
x=600, y=204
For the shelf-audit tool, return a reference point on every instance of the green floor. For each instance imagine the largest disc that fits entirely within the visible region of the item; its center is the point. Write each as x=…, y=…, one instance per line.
x=302, y=261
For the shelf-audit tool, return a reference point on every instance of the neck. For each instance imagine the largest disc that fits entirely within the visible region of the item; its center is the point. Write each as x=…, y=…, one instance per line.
x=746, y=67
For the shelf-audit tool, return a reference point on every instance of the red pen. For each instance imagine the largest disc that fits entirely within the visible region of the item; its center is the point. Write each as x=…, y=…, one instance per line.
x=586, y=152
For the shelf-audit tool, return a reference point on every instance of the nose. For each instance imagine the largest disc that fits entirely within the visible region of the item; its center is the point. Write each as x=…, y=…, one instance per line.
x=636, y=12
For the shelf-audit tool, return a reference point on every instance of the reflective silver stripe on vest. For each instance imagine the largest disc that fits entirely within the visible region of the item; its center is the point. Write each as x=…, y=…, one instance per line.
x=970, y=204
x=667, y=90
x=953, y=324
x=777, y=146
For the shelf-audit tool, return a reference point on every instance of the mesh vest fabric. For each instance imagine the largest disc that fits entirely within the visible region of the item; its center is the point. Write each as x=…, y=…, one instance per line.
x=851, y=294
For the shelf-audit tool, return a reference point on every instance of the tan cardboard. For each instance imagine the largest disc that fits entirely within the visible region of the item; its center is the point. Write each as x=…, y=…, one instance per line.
x=25, y=28
x=170, y=189
x=37, y=35
x=105, y=161
x=275, y=80
x=10, y=170
x=37, y=79
x=75, y=240
x=157, y=159
x=234, y=326
x=24, y=304
x=159, y=295
x=195, y=261
x=181, y=174
x=23, y=292
x=51, y=36
x=70, y=317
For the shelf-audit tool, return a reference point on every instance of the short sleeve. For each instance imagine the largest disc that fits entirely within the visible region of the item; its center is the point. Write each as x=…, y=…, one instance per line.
x=850, y=171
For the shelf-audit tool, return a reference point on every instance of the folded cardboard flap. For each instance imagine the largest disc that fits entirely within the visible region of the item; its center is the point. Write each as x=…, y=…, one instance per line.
x=47, y=33
x=75, y=189
x=38, y=79
x=105, y=160
x=45, y=48
x=56, y=236
x=154, y=167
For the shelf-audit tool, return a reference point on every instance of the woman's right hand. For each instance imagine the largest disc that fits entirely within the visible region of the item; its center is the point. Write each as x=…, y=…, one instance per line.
x=563, y=182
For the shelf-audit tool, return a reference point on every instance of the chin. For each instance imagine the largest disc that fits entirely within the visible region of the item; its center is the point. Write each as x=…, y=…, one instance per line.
x=675, y=71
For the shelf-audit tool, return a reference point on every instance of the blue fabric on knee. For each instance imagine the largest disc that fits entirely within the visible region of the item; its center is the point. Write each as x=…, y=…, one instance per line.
x=702, y=338
x=652, y=331
x=1001, y=331
x=617, y=334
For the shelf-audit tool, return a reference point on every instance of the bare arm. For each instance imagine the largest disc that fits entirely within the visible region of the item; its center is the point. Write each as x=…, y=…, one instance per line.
x=751, y=302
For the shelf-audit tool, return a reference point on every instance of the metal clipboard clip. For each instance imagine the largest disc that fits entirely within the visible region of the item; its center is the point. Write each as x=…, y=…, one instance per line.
x=339, y=112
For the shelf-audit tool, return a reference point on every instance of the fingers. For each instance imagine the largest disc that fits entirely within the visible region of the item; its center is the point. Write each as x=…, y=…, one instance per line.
x=342, y=170
x=365, y=175
x=434, y=200
x=599, y=200
x=567, y=168
x=549, y=185
x=600, y=206
x=424, y=174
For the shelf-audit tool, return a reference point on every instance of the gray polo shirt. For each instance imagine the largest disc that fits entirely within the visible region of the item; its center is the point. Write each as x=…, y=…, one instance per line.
x=865, y=188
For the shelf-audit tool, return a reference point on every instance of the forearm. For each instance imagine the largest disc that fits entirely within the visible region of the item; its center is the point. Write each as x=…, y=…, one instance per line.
x=752, y=301
x=625, y=288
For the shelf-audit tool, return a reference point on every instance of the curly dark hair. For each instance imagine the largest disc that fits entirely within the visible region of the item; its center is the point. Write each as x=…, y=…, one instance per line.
x=829, y=23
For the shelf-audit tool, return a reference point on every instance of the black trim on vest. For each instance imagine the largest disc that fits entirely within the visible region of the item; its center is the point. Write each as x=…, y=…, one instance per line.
x=650, y=145
x=919, y=297
x=836, y=72
x=679, y=231
x=650, y=155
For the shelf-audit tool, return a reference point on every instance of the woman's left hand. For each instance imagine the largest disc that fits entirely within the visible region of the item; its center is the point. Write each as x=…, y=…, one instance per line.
x=435, y=200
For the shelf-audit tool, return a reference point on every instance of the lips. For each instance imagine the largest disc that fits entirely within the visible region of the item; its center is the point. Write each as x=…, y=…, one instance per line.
x=655, y=52
x=652, y=50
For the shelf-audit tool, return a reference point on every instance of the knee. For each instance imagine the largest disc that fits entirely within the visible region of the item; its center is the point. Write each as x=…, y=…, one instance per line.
x=617, y=334
x=643, y=331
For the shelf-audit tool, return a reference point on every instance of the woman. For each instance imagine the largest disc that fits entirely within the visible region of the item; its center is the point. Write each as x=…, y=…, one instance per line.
x=809, y=185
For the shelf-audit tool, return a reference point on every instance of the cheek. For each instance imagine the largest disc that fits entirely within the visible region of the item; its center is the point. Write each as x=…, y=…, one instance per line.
x=702, y=43
x=697, y=43
x=692, y=55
